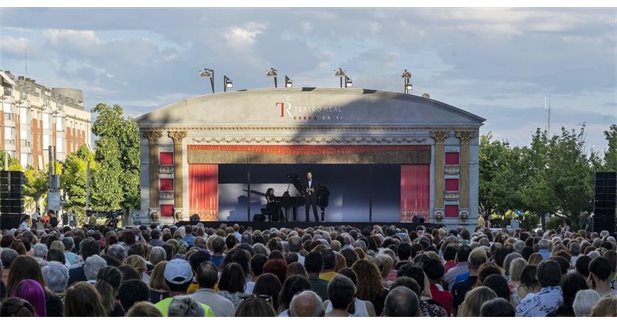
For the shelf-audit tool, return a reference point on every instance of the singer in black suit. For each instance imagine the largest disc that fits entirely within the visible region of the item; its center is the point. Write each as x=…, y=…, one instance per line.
x=310, y=197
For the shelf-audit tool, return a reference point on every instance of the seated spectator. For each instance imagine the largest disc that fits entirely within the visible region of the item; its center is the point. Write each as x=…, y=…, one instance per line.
x=314, y=264
x=56, y=276
x=16, y=307
x=195, y=260
x=92, y=266
x=296, y=268
x=434, y=271
x=185, y=306
x=599, y=272
x=499, y=285
x=497, y=307
x=329, y=264
x=462, y=255
x=584, y=300
x=143, y=309
x=550, y=295
x=369, y=285
x=218, y=249
x=292, y=286
x=476, y=259
x=255, y=307
x=232, y=283
x=306, y=304
x=474, y=300
x=132, y=291
x=178, y=276
x=82, y=300
x=401, y=302
x=571, y=284
x=32, y=292
x=108, y=282
x=341, y=293
x=158, y=287
x=529, y=282
x=26, y=267
x=87, y=248
x=516, y=270
x=207, y=277
x=606, y=306
x=139, y=264
x=269, y=285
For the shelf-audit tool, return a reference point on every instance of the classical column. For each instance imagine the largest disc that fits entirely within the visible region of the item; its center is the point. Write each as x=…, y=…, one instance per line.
x=464, y=136
x=440, y=136
x=177, y=136
x=153, y=167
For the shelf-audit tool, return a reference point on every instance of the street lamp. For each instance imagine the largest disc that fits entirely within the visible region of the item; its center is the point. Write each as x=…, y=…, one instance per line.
x=227, y=83
x=406, y=75
x=348, y=82
x=272, y=73
x=288, y=82
x=208, y=73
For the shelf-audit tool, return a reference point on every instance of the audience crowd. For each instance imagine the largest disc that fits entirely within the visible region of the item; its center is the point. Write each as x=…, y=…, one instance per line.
x=193, y=270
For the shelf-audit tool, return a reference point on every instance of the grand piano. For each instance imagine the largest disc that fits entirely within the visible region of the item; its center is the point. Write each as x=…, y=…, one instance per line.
x=279, y=211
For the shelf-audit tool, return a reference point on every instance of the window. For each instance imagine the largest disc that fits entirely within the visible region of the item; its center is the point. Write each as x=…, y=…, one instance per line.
x=167, y=184
x=452, y=184
x=167, y=210
x=451, y=211
x=452, y=158
x=166, y=158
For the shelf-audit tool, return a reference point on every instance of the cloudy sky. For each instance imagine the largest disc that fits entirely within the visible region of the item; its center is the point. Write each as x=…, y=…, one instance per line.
x=496, y=63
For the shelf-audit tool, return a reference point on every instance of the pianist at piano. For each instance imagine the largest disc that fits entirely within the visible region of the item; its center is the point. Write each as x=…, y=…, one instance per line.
x=380, y=156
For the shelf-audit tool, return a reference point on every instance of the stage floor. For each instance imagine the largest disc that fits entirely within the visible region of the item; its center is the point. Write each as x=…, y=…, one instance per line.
x=292, y=224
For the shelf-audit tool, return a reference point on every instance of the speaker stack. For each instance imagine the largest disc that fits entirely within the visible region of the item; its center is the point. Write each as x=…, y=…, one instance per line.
x=11, y=198
x=605, y=201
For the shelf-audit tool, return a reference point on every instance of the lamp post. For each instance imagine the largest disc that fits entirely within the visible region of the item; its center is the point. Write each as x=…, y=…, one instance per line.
x=272, y=73
x=348, y=82
x=406, y=75
x=208, y=73
x=288, y=82
x=227, y=83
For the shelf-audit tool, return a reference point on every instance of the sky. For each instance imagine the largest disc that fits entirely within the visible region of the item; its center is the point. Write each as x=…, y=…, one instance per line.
x=497, y=63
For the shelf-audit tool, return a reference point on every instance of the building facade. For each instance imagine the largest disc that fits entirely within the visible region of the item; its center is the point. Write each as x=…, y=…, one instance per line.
x=34, y=117
x=385, y=157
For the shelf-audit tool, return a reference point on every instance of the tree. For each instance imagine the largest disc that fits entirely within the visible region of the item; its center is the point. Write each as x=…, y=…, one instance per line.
x=116, y=181
x=13, y=164
x=74, y=177
x=610, y=155
x=36, y=184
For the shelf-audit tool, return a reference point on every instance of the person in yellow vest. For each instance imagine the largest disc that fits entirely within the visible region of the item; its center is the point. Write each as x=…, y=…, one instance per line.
x=178, y=276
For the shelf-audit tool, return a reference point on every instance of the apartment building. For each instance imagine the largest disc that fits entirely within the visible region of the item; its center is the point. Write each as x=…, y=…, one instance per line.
x=34, y=117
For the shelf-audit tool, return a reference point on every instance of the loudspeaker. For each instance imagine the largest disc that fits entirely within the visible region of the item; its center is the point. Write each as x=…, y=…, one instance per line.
x=10, y=220
x=605, y=201
x=12, y=203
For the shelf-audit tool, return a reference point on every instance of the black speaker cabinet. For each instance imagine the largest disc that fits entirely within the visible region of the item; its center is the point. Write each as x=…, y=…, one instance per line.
x=604, y=223
x=9, y=220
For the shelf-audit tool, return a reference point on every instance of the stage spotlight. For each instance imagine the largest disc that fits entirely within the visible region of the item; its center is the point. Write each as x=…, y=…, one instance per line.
x=208, y=73
x=272, y=73
x=227, y=83
x=406, y=75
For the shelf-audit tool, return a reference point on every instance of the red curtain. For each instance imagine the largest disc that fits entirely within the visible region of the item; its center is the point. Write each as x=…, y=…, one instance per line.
x=203, y=191
x=415, y=191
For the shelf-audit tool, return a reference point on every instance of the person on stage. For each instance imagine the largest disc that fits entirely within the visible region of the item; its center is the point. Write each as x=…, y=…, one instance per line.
x=310, y=197
x=272, y=205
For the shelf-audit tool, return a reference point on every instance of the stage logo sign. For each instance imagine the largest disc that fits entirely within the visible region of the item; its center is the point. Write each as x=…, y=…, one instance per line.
x=287, y=110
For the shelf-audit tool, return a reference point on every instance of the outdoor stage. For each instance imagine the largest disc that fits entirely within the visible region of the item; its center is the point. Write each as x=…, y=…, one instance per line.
x=304, y=225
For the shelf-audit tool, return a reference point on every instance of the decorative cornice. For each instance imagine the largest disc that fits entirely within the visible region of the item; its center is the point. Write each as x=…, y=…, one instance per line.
x=439, y=135
x=465, y=135
x=177, y=136
x=451, y=195
x=452, y=169
x=152, y=136
x=288, y=128
x=308, y=140
x=166, y=195
x=166, y=170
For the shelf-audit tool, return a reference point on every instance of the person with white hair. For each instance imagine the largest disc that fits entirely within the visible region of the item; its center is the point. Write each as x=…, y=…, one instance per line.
x=306, y=304
x=584, y=300
x=92, y=267
x=56, y=276
x=40, y=253
x=157, y=254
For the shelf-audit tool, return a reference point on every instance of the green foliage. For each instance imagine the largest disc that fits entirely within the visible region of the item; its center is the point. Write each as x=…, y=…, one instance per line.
x=36, y=182
x=13, y=164
x=116, y=180
x=610, y=155
x=551, y=175
x=74, y=178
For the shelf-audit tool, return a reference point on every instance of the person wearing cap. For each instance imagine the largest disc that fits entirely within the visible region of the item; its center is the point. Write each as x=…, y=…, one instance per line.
x=178, y=276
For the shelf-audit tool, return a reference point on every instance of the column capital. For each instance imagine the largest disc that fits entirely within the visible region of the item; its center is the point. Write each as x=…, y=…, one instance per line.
x=152, y=136
x=439, y=135
x=465, y=135
x=177, y=136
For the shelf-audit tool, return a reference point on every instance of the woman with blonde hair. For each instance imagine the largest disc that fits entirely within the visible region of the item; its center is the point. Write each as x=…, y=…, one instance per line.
x=158, y=287
x=144, y=309
x=535, y=259
x=369, y=285
x=605, y=307
x=516, y=270
x=139, y=264
x=384, y=264
x=474, y=300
